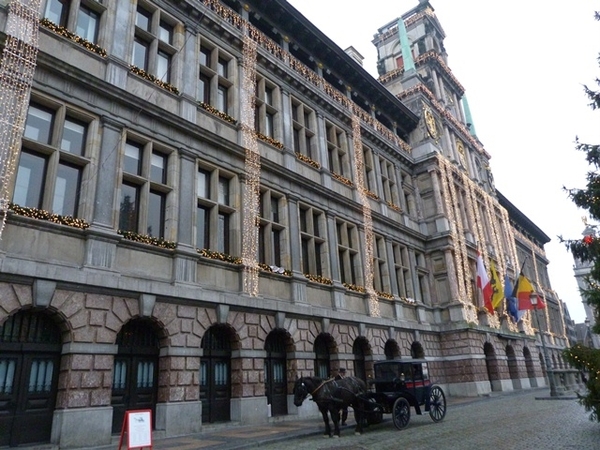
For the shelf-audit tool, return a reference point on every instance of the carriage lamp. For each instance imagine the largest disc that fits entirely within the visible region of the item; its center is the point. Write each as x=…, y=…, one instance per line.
x=402, y=377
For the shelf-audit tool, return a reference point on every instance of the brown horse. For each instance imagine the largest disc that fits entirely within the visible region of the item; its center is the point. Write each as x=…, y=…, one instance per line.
x=331, y=397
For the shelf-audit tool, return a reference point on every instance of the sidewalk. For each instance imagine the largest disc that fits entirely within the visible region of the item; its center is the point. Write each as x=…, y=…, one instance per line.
x=229, y=436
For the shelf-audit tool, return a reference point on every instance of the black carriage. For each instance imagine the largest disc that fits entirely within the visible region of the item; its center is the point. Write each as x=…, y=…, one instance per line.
x=399, y=385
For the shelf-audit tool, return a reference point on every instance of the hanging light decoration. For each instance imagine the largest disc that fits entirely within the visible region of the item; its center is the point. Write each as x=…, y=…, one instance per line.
x=17, y=67
x=252, y=171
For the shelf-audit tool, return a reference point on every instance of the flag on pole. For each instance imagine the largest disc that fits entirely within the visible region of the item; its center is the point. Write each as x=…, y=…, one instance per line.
x=496, y=284
x=484, y=285
x=523, y=291
x=512, y=305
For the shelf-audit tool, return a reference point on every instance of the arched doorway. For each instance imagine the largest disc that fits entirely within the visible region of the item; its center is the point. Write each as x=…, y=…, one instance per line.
x=275, y=372
x=135, y=373
x=529, y=367
x=491, y=364
x=513, y=367
x=215, y=374
x=30, y=346
x=361, y=349
x=416, y=350
x=391, y=349
x=322, y=351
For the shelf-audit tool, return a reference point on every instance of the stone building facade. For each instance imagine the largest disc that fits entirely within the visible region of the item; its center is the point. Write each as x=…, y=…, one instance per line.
x=211, y=199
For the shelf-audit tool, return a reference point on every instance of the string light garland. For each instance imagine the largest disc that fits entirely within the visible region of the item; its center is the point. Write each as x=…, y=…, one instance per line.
x=62, y=31
x=367, y=218
x=40, y=214
x=252, y=167
x=307, y=160
x=318, y=279
x=214, y=111
x=393, y=206
x=342, y=179
x=154, y=79
x=355, y=288
x=17, y=68
x=211, y=254
x=270, y=140
x=145, y=239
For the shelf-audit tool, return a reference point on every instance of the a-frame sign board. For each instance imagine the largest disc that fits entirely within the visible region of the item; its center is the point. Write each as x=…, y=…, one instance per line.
x=138, y=427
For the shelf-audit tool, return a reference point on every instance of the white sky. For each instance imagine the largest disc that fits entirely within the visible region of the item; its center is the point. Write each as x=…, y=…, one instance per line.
x=523, y=64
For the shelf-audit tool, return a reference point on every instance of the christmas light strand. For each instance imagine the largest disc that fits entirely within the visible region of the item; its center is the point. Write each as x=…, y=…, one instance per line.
x=367, y=218
x=252, y=171
x=17, y=68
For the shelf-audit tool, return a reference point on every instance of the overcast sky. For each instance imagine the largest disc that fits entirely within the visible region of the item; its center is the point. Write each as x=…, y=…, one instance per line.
x=523, y=64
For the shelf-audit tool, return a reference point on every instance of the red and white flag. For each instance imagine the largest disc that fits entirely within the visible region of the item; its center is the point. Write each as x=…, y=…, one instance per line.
x=484, y=285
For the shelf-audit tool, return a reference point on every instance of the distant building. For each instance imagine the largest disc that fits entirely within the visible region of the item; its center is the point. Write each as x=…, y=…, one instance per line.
x=212, y=199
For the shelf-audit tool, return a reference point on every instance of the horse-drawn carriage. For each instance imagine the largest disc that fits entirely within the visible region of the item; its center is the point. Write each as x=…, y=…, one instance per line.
x=398, y=385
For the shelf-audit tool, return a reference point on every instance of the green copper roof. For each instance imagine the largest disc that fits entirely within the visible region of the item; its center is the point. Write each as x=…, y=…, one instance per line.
x=468, y=116
x=409, y=63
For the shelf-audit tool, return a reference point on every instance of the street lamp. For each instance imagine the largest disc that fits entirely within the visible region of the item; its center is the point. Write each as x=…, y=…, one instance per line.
x=533, y=297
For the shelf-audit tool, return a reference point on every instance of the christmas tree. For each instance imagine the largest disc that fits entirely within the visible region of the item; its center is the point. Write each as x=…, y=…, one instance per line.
x=588, y=250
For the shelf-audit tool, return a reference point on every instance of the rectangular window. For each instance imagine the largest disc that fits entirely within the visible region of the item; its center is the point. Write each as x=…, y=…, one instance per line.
x=163, y=62
x=313, y=245
x=203, y=184
x=74, y=137
x=223, y=233
x=129, y=208
x=222, y=99
x=223, y=191
x=271, y=229
x=158, y=166
x=204, y=89
x=165, y=32
x=202, y=227
x=156, y=215
x=66, y=190
x=57, y=11
x=38, y=126
x=30, y=180
x=140, y=54
x=303, y=131
x=216, y=73
x=87, y=24
x=348, y=255
x=143, y=19
x=132, y=163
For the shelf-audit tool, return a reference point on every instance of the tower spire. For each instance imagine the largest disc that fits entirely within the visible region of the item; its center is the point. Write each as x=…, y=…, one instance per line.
x=407, y=58
x=468, y=117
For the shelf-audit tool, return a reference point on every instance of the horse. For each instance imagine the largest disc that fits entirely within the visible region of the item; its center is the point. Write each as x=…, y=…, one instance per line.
x=331, y=396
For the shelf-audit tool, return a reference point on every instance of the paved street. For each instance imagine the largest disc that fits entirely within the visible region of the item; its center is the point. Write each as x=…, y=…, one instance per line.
x=513, y=421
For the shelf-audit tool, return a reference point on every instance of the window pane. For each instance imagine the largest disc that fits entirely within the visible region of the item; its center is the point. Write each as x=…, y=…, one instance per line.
x=165, y=32
x=222, y=99
x=268, y=95
x=157, y=168
x=39, y=124
x=202, y=184
x=128, y=212
x=163, y=61
x=222, y=67
x=66, y=190
x=276, y=236
x=140, y=55
x=56, y=11
x=133, y=158
x=73, y=138
x=87, y=24
x=275, y=210
x=205, y=56
x=156, y=214
x=223, y=191
x=30, y=180
x=202, y=227
x=204, y=89
x=143, y=19
x=223, y=234
x=269, y=125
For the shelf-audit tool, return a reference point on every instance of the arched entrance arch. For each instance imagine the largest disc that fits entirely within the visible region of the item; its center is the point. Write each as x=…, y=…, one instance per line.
x=30, y=348
x=276, y=371
x=135, y=372
x=391, y=349
x=513, y=367
x=529, y=367
x=215, y=374
x=491, y=364
x=416, y=350
x=361, y=349
x=323, y=348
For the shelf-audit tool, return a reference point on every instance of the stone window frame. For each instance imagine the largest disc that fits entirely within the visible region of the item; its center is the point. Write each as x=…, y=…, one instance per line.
x=55, y=154
x=147, y=186
x=267, y=115
x=304, y=128
x=273, y=230
x=313, y=242
x=348, y=246
x=70, y=16
x=402, y=270
x=337, y=150
x=220, y=73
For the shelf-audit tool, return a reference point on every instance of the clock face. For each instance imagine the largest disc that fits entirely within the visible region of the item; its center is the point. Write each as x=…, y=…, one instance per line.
x=430, y=122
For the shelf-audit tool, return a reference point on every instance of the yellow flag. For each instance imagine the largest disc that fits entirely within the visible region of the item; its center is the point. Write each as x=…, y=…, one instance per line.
x=497, y=291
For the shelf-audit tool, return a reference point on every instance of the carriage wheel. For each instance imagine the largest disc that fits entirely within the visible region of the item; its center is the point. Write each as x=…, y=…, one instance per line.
x=401, y=413
x=437, y=404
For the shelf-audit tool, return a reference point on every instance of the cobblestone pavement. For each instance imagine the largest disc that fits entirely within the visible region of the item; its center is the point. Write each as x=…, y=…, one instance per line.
x=523, y=420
